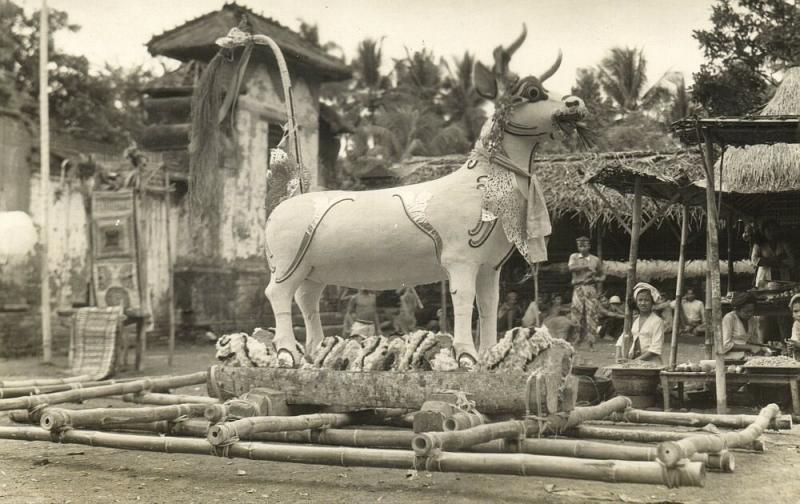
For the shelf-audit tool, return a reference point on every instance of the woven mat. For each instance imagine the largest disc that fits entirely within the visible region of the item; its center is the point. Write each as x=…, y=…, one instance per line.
x=96, y=341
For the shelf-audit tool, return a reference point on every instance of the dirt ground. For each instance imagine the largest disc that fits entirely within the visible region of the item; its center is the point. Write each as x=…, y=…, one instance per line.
x=38, y=472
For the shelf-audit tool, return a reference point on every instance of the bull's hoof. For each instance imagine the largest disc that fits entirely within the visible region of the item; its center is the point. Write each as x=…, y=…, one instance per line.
x=467, y=362
x=291, y=356
x=467, y=357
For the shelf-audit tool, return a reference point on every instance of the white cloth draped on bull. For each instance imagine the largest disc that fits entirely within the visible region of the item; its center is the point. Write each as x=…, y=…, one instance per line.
x=524, y=215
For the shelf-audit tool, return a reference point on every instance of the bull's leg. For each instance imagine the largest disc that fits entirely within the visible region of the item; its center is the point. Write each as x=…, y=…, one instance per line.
x=488, y=296
x=280, y=298
x=307, y=298
x=462, y=291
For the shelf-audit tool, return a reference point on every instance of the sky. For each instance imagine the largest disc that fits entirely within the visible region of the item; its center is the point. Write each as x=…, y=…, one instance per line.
x=116, y=31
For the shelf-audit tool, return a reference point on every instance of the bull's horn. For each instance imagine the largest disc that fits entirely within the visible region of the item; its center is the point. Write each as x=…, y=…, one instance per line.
x=517, y=43
x=550, y=71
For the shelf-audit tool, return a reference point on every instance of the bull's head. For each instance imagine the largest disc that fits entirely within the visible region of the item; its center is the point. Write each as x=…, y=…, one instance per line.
x=524, y=108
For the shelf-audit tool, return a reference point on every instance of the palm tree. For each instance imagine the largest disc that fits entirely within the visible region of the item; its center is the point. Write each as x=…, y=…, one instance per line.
x=623, y=74
x=461, y=103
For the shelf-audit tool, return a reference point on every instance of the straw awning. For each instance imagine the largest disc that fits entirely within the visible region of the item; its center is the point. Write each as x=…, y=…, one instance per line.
x=563, y=177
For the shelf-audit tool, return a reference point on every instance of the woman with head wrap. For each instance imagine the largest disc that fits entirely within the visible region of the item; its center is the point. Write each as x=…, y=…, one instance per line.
x=647, y=328
x=740, y=328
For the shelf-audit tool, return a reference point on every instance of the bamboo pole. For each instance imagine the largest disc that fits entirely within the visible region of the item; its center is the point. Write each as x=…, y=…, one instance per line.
x=780, y=422
x=10, y=392
x=44, y=166
x=671, y=452
x=729, y=229
x=676, y=320
x=166, y=399
x=401, y=439
x=599, y=227
x=41, y=382
x=461, y=420
x=170, y=273
x=59, y=418
x=215, y=413
x=643, y=436
x=633, y=257
x=424, y=443
x=688, y=474
x=443, y=318
x=713, y=268
x=222, y=434
x=103, y=391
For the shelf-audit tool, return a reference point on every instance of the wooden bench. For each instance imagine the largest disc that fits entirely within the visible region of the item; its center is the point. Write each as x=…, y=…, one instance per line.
x=669, y=378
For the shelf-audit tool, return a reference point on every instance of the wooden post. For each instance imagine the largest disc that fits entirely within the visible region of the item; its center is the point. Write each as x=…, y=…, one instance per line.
x=44, y=165
x=171, y=288
x=535, y=269
x=443, y=318
x=708, y=340
x=676, y=320
x=713, y=269
x=599, y=232
x=729, y=226
x=633, y=257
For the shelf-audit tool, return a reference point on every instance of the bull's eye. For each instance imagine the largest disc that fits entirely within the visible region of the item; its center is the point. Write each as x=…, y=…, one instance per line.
x=532, y=93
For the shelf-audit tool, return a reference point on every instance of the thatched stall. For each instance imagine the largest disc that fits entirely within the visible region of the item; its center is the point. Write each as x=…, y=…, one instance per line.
x=761, y=162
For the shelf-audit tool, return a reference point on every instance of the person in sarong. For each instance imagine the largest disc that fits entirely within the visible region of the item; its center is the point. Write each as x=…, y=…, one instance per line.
x=587, y=271
x=647, y=328
x=362, y=309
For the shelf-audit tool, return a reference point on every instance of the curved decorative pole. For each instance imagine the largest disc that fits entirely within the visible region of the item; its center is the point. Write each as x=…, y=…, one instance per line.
x=237, y=37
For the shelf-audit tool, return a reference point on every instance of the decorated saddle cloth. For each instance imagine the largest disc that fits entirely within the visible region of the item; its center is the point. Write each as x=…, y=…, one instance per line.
x=515, y=197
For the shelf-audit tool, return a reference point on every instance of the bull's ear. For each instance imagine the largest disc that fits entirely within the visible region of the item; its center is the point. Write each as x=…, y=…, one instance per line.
x=485, y=83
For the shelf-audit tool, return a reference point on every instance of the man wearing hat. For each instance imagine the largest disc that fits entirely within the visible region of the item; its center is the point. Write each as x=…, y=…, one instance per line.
x=587, y=271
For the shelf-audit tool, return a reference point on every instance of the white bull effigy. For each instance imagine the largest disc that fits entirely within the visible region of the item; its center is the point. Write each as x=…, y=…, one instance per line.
x=441, y=229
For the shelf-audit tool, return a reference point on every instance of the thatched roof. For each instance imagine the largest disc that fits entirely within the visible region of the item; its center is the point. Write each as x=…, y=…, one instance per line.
x=767, y=168
x=770, y=162
x=562, y=178
x=195, y=40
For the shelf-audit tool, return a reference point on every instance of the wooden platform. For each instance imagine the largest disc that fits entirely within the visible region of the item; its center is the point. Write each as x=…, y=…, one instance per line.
x=493, y=392
x=669, y=378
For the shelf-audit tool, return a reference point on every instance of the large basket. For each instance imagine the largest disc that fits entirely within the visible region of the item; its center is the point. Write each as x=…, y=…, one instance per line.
x=635, y=381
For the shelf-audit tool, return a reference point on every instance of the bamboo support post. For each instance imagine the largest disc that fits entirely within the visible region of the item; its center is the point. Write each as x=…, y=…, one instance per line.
x=424, y=443
x=780, y=422
x=59, y=418
x=166, y=399
x=644, y=436
x=672, y=452
x=633, y=257
x=676, y=320
x=103, y=391
x=687, y=474
x=224, y=433
x=713, y=268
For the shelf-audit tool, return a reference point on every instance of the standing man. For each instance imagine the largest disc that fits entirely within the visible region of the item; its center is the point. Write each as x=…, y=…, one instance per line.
x=587, y=271
x=366, y=322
